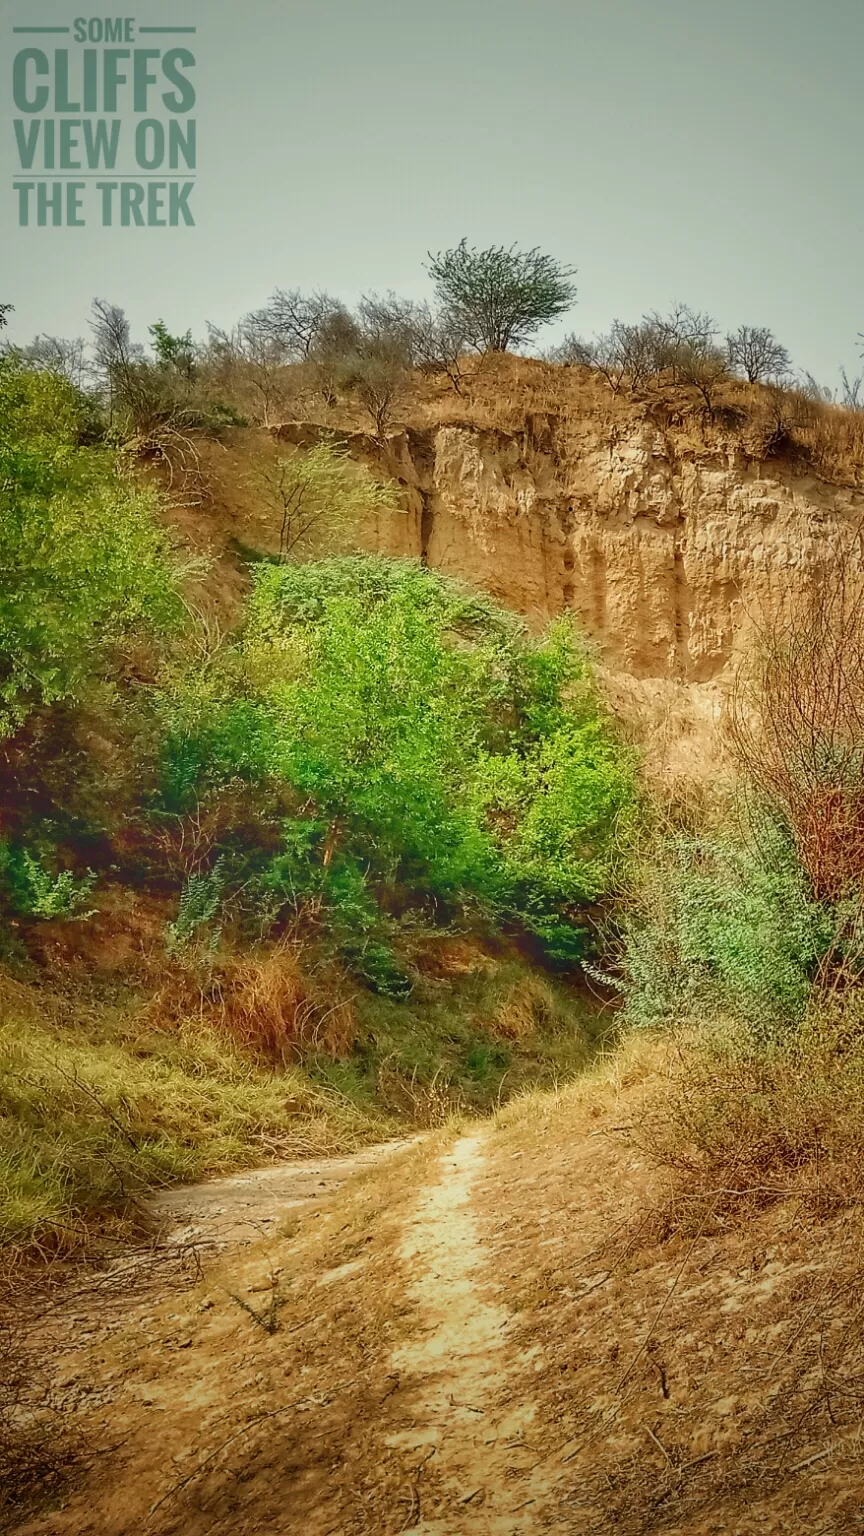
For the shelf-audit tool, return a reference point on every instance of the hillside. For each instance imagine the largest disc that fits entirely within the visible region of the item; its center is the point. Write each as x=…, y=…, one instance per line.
x=389, y=839
x=670, y=537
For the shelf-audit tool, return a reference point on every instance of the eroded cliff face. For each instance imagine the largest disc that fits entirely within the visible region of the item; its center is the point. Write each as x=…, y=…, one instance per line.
x=666, y=560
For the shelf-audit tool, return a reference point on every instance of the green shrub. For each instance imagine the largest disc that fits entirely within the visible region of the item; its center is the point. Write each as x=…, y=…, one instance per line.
x=31, y=890
x=718, y=926
x=83, y=559
x=438, y=758
x=200, y=902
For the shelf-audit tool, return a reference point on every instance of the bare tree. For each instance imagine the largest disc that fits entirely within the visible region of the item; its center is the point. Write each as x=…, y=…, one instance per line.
x=338, y=340
x=377, y=373
x=755, y=351
x=673, y=340
x=574, y=351
x=369, y=356
x=432, y=340
x=117, y=356
x=810, y=388
x=704, y=368
x=797, y=722
x=57, y=354
x=629, y=352
x=260, y=360
x=293, y=321
x=680, y=343
x=153, y=409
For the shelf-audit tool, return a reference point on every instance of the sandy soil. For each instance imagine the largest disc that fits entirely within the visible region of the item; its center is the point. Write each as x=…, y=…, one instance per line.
x=458, y=1361
x=246, y=1206
x=472, y=1333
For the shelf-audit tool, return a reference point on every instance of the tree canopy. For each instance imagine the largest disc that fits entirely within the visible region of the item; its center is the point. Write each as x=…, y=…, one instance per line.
x=499, y=298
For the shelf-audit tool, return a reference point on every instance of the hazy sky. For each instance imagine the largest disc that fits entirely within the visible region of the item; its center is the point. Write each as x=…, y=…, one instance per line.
x=669, y=149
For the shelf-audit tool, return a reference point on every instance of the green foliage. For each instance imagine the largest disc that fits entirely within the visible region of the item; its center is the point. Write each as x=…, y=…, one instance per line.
x=724, y=928
x=305, y=876
x=439, y=759
x=200, y=902
x=173, y=352
x=83, y=560
x=320, y=498
x=31, y=890
x=499, y=298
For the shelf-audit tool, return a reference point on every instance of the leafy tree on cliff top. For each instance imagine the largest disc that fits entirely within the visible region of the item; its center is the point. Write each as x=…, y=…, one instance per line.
x=500, y=298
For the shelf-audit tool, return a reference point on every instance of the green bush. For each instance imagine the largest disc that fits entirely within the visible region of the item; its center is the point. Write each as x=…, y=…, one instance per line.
x=722, y=927
x=200, y=903
x=31, y=890
x=83, y=559
x=437, y=757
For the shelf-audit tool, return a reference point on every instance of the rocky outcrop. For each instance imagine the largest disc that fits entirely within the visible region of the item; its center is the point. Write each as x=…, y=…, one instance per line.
x=667, y=560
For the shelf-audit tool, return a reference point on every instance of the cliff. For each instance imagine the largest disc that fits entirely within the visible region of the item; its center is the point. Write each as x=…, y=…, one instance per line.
x=667, y=560
x=667, y=543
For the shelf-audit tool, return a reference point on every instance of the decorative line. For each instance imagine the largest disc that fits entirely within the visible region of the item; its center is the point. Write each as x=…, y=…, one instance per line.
x=41, y=29
x=164, y=29
x=43, y=176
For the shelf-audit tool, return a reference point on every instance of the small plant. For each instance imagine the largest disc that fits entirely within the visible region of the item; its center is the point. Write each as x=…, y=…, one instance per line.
x=200, y=901
x=33, y=891
x=269, y=1318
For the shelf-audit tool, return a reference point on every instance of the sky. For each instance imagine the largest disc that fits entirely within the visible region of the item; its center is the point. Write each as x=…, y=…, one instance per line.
x=668, y=149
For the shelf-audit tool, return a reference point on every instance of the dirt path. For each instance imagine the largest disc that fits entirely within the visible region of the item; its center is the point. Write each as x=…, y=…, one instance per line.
x=472, y=1334
x=244, y=1207
x=459, y=1361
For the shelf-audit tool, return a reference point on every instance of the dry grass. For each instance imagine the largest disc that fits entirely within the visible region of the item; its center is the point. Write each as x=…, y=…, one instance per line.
x=267, y=1005
x=515, y=395
x=248, y=1423
x=98, y=1105
x=697, y=1368
x=35, y=1450
x=742, y=1129
x=262, y=1001
x=552, y=404
x=708, y=1381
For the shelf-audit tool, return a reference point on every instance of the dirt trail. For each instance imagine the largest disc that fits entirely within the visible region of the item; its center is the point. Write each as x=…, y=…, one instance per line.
x=458, y=1360
x=473, y=1334
x=246, y=1206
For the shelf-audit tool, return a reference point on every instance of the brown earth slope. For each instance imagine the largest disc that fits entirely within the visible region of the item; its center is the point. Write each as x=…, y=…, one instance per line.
x=485, y=1334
